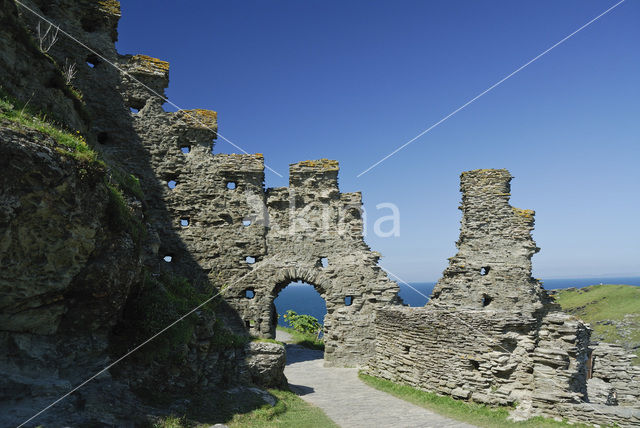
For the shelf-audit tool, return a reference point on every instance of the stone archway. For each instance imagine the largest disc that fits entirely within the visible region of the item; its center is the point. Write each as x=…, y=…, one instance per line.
x=348, y=326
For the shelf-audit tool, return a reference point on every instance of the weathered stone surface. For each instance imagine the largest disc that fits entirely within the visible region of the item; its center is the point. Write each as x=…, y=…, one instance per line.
x=21, y=60
x=615, y=380
x=56, y=245
x=68, y=276
x=266, y=362
x=493, y=266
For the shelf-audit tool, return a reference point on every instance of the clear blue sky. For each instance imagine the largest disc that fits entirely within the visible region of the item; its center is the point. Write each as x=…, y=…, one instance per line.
x=353, y=80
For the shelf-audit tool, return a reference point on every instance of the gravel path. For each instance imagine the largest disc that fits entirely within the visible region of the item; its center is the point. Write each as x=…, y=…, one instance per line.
x=347, y=400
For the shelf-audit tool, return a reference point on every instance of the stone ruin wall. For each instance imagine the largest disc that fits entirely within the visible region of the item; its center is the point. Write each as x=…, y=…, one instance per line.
x=217, y=212
x=219, y=221
x=492, y=335
x=307, y=222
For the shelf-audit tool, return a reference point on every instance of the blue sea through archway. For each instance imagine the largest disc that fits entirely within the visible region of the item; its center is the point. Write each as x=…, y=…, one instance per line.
x=301, y=298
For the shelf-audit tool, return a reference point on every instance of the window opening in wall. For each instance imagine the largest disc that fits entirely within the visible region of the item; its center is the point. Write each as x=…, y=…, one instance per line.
x=348, y=300
x=324, y=262
x=231, y=185
x=103, y=137
x=185, y=149
x=184, y=222
x=246, y=222
x=93, y=61
x=250, y=260
x=134, y=110
x=247, y=323
x=486, y=300
x=474, y=364
x=172, y=184
x=249, y=293
x=168, y=258
x=406, y=349
x=484, y=270
x=590, y=361
x=226, y=218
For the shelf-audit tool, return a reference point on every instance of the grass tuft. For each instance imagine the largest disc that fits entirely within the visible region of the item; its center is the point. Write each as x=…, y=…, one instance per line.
x=473, y=413
x=71, y=144
x=303, y=339
x=290, y=411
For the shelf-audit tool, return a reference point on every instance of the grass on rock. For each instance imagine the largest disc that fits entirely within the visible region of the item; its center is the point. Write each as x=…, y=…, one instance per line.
x=474, y=413
x=73, y=144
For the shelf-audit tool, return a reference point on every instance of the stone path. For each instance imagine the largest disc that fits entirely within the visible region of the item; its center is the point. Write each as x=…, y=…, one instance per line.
x=347, y=400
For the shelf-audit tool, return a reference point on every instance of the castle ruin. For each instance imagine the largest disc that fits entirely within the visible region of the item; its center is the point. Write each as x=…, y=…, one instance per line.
x=490, y=332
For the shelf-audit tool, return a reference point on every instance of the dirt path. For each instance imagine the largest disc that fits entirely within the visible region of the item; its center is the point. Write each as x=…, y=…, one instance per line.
x=347, y=400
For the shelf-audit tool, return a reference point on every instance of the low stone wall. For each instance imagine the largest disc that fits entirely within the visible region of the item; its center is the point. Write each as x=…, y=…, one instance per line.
x=613, y=370
x=503, y=358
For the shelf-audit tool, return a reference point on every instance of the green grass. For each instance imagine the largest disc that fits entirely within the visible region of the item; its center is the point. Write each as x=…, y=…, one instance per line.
x=606, y=308
x=304, y=339
x=473, y=413
x=72, y=144
x=18, y=116
x=290, y=411
x=260, y=339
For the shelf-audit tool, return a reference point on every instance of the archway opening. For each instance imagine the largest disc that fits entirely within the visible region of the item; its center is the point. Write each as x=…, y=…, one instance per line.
x=301, y=298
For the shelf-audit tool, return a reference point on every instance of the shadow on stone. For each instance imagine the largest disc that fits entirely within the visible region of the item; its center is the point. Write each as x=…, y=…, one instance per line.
x=301, y=389
x=299, y=354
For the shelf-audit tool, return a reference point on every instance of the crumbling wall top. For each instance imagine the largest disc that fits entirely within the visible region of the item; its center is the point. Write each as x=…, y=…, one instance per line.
x=314, y=174
x=111, y=7
x=150, y=65
x=199, y=118
x=492, y=268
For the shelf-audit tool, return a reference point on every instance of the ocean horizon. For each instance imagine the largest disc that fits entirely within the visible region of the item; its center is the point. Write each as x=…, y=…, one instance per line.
x=304, y=299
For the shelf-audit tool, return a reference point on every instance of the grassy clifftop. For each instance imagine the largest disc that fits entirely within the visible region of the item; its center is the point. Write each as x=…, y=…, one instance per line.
x=612, y=310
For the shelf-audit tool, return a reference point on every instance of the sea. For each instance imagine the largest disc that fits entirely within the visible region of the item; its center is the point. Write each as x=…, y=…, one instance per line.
x=304, y=299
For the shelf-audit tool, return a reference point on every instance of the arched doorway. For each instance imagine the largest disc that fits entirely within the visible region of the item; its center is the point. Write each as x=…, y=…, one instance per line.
x=352, y=294
x=301, y=298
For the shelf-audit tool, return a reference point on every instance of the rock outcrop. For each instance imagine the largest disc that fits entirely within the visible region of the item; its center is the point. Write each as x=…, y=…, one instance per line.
x=78, y=261
x=67, y=270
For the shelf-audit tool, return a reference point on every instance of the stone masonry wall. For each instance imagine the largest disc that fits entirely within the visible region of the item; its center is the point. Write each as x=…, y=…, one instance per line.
x=307, y=222
x=492, y=335
x=493, y=265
